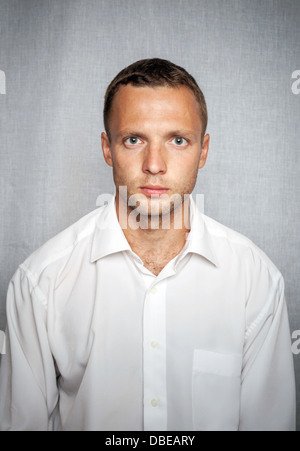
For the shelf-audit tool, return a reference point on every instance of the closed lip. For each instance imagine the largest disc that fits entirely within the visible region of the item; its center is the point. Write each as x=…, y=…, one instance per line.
x=154, y=189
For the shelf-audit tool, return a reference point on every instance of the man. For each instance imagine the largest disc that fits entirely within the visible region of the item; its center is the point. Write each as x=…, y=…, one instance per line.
x=146, y=314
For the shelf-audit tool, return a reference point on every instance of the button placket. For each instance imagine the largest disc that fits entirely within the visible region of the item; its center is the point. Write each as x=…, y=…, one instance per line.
x=153, y=290
x=155, y=402
x=154, y=344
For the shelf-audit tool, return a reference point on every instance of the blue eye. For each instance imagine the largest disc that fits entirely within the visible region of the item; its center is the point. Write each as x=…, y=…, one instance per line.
x=133, y=140
x=179, y=141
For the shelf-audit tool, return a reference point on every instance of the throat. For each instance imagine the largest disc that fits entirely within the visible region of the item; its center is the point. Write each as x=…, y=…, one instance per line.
x=157, y=251
x=156, y=247
x=156, y=263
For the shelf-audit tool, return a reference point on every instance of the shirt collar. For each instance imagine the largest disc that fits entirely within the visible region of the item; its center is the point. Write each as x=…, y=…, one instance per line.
x=109, y=237
x=199, y=240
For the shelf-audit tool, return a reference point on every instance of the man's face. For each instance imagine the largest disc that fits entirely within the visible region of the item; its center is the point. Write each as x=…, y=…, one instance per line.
x=155, y=145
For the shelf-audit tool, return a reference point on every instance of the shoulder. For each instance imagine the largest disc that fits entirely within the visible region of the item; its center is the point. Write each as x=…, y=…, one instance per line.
x=229, y=243
x=58, y=248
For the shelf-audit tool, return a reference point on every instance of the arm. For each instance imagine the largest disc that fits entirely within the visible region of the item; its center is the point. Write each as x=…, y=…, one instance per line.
x=28, y=391
x=268, y=381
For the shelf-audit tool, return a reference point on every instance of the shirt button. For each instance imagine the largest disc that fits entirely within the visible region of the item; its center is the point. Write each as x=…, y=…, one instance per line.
x=154, y=344
x=154, y=402
x=153, y=290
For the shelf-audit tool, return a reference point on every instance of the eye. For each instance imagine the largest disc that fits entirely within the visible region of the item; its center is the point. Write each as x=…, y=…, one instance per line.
x=179, y=141
x=133, y=140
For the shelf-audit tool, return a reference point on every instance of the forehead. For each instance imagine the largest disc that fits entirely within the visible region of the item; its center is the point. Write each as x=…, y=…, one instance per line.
x=150, y=105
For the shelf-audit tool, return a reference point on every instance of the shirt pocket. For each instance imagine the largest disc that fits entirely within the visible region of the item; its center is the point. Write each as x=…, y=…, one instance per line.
x=216, y=391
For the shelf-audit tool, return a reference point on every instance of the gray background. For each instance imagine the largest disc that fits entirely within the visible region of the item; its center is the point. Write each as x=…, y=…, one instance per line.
x=59, y=56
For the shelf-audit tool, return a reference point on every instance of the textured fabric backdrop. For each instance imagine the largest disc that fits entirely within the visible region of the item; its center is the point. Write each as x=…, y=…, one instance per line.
x=57, y=57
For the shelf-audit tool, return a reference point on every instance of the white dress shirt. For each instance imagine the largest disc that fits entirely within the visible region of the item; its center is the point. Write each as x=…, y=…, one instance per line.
x=95, y=341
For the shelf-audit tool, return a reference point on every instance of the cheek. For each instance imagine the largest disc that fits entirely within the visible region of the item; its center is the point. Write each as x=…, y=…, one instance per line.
x=184, y=173
x=128, y=162
x=124, y=170
x=184, y=166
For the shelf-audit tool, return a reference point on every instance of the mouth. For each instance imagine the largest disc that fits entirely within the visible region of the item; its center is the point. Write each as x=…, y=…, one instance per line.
x=154, y=190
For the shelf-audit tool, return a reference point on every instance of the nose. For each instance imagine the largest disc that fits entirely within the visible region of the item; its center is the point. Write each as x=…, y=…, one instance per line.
x=154, y=160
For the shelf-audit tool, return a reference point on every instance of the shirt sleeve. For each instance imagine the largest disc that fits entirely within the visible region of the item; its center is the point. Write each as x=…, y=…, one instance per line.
x=28, y=390
x=268, y=379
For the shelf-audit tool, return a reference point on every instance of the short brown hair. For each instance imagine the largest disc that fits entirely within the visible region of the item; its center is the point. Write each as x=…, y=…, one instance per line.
x=154, y=72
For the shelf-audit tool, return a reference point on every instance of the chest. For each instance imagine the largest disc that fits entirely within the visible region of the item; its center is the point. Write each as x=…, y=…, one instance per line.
x=156, y=261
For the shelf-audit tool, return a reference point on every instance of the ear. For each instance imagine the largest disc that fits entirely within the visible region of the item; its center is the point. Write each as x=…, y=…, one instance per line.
x=204, y=151
x=106, y=149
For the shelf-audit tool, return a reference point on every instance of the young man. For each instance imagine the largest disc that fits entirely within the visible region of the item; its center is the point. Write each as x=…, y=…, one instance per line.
x=146, y=314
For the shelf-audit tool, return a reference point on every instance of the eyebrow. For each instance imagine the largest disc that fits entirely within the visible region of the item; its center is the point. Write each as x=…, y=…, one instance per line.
x=128, y=132
x=182, y=132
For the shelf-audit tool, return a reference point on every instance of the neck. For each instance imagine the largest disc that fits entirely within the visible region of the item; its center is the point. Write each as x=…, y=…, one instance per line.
x=162, y=236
